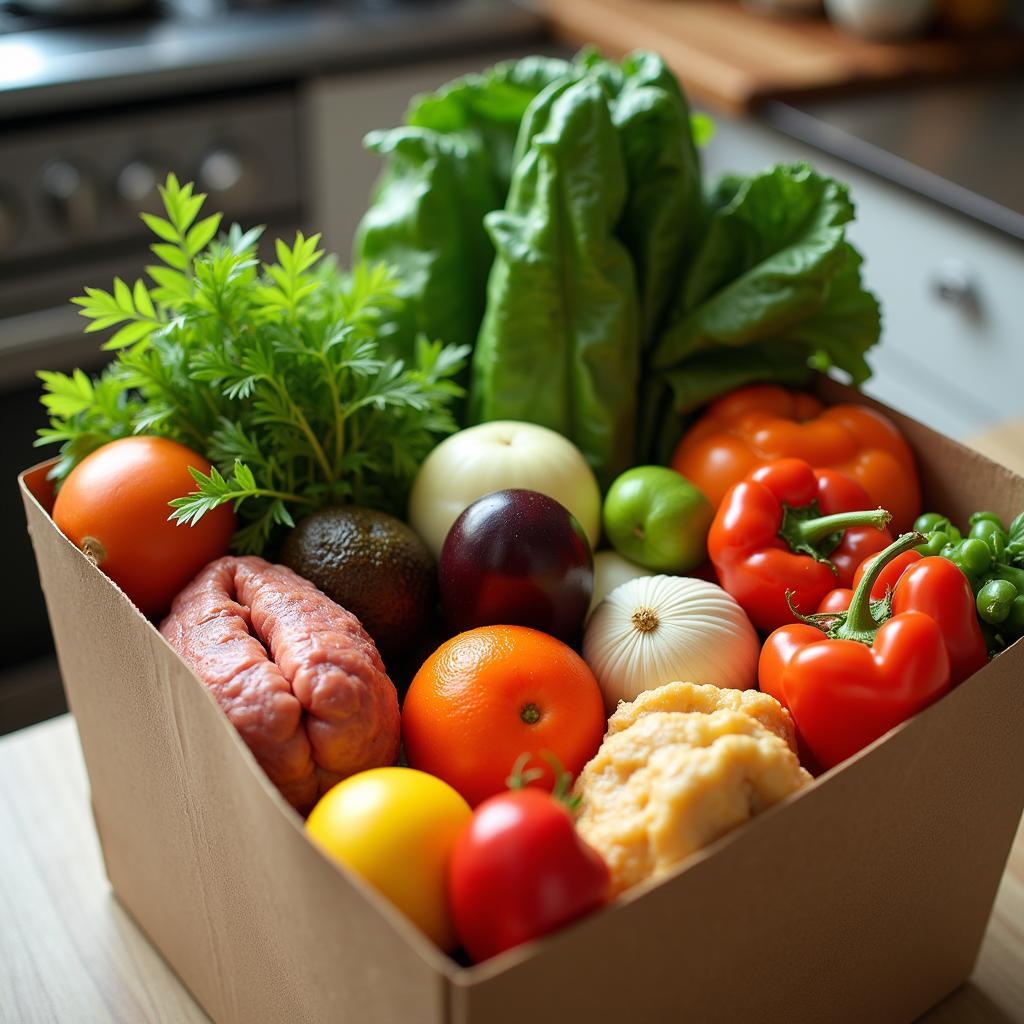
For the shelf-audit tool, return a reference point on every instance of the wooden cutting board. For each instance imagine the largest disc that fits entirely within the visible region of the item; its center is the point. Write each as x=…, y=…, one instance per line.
x=733, y=58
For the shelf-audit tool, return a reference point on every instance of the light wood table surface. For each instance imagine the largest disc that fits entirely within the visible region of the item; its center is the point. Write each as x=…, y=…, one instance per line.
x=1003, y=444
x=69, y=952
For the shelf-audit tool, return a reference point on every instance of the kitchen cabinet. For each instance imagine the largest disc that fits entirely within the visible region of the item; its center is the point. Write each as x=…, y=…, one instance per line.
x=952, y=352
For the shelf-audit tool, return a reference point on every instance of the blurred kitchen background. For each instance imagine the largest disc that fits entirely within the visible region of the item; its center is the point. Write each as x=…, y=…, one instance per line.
x=264, y=104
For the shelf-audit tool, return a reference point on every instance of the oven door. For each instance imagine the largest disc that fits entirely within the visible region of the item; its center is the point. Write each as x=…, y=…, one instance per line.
x=30, y=686
x=73, y=190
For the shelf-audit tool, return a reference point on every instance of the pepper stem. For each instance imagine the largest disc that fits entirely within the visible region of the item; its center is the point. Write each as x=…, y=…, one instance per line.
x=860, y=623
x=811, y=531
x=816, y=536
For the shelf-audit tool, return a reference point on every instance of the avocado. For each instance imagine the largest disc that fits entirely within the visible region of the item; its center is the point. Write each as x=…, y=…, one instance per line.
x=374, y=566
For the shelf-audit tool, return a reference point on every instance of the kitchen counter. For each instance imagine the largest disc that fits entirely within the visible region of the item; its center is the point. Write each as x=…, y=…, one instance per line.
x=198, y=45
x=71, y=953
x=957, y=143
x=937, y=115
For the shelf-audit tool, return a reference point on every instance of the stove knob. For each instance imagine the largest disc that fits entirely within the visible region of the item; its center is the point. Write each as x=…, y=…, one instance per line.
x=137, y=187
x=223, y=172
x=72, y=196
x=9, y=223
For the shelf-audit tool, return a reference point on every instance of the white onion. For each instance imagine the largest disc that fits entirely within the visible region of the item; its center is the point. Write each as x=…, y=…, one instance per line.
x=662, y=629
x=493, y=457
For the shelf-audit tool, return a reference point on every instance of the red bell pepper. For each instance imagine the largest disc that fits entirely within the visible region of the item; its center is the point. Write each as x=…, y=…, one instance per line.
x=872, y=668
x=788, y=529
x=936, y=587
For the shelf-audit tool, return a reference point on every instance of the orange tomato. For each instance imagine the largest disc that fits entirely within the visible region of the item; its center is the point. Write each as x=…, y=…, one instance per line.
x=113, y=505
x=492, y=694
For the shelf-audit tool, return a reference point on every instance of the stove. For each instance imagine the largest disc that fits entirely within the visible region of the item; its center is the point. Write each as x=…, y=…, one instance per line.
x=218, y=43
x=263, y=104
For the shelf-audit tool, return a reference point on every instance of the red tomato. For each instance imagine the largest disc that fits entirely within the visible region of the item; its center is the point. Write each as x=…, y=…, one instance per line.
x=113, y=505
x=518, y=871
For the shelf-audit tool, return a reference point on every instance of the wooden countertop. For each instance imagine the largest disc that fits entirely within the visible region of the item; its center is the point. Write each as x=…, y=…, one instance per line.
x=733, y=57
x=70, y=952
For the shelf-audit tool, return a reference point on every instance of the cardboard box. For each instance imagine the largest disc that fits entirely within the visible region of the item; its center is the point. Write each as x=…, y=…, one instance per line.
x=864, y=897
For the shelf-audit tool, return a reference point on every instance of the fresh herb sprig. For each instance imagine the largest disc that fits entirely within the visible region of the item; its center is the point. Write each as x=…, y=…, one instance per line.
x=273, y=372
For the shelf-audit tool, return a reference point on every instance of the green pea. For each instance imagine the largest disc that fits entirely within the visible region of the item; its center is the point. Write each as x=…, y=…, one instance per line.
x=929, y=522
x=985, y=517
x=973, y=556
x=992, y=534
x=934, y=543
x=995, y=600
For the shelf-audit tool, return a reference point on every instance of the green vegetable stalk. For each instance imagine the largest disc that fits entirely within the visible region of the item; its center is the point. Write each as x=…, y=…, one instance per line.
x=276, y=374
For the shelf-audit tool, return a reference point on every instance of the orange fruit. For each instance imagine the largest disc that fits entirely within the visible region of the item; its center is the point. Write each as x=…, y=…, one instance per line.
x=113, y=505
x=492, y=694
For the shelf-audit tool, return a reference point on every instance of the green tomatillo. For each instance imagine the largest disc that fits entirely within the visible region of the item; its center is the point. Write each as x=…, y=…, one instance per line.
x=655, y=517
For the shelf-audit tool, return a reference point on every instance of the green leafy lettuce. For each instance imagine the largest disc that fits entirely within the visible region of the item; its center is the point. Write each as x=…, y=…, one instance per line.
x=427, y=222
x=445, y=169
x=559, y=343
x=751, y=279
x=664, y=213
x=773, y=264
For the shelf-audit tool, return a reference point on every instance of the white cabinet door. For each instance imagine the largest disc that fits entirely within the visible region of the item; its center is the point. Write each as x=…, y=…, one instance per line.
x=952, y=290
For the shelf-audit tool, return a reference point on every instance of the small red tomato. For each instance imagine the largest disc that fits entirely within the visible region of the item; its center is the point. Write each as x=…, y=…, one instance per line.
x=114, y=506
x=519, y=870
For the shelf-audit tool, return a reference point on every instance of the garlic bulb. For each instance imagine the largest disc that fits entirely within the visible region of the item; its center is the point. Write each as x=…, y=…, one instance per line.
x=661, y=629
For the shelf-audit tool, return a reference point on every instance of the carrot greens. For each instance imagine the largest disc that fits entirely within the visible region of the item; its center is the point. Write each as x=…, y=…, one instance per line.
x=277, y=373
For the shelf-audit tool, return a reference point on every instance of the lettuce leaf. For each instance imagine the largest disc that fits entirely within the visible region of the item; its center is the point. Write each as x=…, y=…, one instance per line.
x=664, y=213
x=426, y=221
x=772, y=292
x=444, y=170
x=774, y=265
x=559, y=344
x=489, y=107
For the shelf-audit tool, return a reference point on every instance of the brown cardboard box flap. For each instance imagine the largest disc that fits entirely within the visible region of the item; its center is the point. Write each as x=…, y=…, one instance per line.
x=863, y=897
x=199, y=845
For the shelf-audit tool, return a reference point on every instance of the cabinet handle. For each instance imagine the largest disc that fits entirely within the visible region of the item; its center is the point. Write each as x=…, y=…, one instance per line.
x=955, y=284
